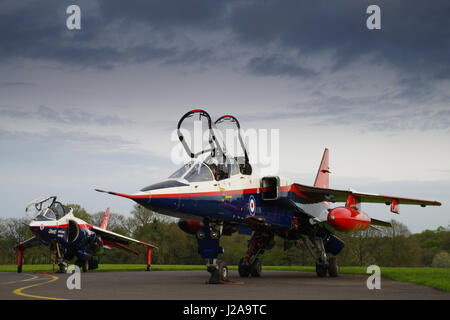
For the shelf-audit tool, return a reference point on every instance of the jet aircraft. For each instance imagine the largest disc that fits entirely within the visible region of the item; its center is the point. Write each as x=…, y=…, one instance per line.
x=217, y=193
x=53, y=224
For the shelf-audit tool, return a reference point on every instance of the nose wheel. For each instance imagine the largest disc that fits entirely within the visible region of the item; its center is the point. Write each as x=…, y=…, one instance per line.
x=218, y=272
x=208, y=238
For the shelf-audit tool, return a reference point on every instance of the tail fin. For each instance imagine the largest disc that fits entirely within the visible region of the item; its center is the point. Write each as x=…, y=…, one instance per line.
x=323, y=175
x=105, y=221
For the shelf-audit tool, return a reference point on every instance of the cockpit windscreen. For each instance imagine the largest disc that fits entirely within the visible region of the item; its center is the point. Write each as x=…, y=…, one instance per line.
x=200, y=172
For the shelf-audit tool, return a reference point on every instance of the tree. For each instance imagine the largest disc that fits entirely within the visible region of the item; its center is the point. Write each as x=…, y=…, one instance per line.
x=142, y=215
x=441, y=260
x=80, y=212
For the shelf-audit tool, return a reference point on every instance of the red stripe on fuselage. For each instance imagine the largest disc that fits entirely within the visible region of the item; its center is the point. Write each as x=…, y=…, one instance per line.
x=65, y=226
x=294, y=189
x=197, y=194
x=289, y=188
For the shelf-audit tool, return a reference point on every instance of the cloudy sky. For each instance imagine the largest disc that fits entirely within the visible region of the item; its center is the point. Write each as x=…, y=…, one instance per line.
x=96, y=107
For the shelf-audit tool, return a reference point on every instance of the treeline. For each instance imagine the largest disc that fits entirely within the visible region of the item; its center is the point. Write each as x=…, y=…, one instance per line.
x=384, y=247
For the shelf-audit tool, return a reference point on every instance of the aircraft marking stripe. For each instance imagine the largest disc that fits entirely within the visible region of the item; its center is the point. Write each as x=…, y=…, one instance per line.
x=65, y=226
x=290, y=188
x=191, y=194
x=20, y=292
x=205, y=194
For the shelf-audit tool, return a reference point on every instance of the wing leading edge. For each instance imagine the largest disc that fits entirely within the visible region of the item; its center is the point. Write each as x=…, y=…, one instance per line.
x=115, y=237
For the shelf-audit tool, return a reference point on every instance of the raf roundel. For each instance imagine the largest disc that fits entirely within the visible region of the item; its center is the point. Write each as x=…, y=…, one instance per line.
x=252, y=206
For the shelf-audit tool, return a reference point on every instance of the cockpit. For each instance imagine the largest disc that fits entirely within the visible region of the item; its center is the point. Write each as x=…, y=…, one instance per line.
x=217, y=163
x=208, y=170
x=45, y=215
x=47, y=209
x=207, y=163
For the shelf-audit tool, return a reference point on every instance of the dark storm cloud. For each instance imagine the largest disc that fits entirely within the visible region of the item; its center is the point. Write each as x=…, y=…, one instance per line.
x=275, y=66
x=415, y=36
x=168, y=14
x=37, y=30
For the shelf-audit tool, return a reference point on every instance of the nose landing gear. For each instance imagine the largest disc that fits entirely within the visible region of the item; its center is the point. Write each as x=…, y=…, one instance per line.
x=208, y=238
x=218, y=270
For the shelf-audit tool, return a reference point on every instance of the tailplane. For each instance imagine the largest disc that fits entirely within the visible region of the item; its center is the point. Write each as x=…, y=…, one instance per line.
x=323, y=175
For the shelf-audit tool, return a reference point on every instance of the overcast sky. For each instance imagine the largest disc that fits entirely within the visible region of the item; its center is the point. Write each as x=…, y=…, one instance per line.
x=96, y=107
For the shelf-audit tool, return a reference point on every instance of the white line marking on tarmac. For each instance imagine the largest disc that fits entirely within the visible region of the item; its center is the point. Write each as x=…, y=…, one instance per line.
x=34, y=277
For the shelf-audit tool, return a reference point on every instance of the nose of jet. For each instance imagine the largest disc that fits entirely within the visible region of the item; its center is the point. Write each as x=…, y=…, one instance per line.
x=34, y=227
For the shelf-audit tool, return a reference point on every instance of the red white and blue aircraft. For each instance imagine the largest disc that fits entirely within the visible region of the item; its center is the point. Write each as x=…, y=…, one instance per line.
x=53, y=224
x=217, y=194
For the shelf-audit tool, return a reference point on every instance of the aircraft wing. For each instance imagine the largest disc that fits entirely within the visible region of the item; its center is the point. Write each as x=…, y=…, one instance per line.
x=115, y=238
x=315, y=194
x=31, y=242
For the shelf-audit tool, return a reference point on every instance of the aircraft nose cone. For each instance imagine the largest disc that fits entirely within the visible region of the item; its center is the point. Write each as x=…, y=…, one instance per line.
x=35, y=228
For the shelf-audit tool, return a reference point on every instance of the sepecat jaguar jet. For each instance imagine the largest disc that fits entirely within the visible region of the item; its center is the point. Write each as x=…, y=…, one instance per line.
x=216, y=194
x=53, y=224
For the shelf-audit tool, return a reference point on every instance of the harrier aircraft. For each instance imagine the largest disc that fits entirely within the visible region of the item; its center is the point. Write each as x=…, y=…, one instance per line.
x=53, y=224
x=216, y=194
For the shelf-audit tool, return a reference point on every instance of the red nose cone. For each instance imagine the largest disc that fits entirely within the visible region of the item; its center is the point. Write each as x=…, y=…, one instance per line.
x=347, y=219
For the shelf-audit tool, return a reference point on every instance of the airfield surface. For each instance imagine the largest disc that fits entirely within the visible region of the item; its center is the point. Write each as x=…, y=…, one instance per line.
x=191, y=285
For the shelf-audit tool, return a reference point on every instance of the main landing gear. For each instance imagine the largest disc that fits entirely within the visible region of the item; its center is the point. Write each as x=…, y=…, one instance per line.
x=250, y=264
x=324, y=264
x=208, y=237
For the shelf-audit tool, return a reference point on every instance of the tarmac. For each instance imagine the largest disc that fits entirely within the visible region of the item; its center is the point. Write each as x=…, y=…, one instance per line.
x=191, y=285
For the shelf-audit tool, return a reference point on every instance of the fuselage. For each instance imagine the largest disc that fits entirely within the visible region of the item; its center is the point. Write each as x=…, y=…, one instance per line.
x=233, y=200
x=73, y=235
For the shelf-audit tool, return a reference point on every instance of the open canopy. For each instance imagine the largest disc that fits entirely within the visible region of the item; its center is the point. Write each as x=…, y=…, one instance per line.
x=46, y=209
x=212, y=159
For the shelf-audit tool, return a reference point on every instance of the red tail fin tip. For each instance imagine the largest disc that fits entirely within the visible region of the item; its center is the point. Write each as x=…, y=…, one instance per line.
x=322, y=178
x=105, y=221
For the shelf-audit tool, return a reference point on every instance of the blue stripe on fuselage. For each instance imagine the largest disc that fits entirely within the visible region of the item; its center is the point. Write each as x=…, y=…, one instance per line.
x=232, y=208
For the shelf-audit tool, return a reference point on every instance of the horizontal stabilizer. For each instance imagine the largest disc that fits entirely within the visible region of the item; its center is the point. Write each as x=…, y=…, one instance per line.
x=380, y=223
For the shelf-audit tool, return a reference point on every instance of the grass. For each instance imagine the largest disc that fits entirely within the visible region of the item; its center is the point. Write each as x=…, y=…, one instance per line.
x=438, y=278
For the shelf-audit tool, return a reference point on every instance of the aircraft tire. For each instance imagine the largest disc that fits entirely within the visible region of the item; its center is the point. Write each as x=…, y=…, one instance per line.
x=243, y=268
x=333, y=267
x=214, y=277
x=321, y=270
x=93, y=264
x=62, y=268
x=223, y=271
x=85, y=265
x=256, y=268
